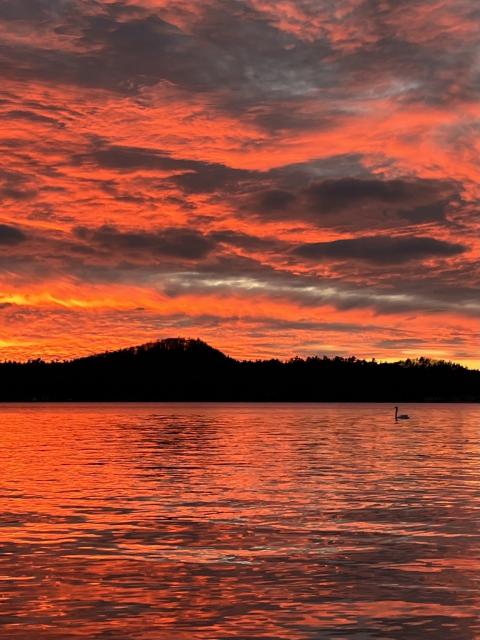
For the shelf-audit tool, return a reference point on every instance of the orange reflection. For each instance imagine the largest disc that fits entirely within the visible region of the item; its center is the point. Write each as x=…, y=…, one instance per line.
x=238, y=520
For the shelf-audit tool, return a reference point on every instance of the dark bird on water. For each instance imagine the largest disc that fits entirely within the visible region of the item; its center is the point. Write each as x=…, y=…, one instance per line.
x=402, y=416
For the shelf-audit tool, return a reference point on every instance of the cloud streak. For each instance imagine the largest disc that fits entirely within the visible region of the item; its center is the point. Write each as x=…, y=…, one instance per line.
x=381, y=250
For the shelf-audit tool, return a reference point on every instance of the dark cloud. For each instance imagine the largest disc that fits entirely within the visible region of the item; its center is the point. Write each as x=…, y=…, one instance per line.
x=337, y=195
x=401, y=343
x=173, y=242
x=230, y=52
x=409, y=292
x=132, y=159
x=362, y=202
x=11, y=236
x=31, y=116
x=278, y=117
x=209, y=178
x=15, y=186
x=145, y=50
x=244, y=240
x=9, y=192
x=382, y=250
x=428, y=60
x=195, y=176
x=32, y=10
x=356, y=202
x=304, y=325
x=243, y=60
x=185, y=262
x=275, y=201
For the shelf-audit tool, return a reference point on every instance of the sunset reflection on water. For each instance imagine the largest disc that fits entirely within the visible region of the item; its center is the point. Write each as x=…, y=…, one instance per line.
x=151, y=522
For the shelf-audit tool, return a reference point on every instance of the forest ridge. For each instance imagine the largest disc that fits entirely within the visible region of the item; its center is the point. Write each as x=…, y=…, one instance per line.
x=179, y=369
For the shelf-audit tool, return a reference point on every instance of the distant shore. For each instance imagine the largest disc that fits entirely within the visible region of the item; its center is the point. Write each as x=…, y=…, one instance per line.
x=185, y=370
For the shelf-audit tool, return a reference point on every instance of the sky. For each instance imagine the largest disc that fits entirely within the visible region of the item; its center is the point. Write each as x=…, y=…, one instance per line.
x=275, y=177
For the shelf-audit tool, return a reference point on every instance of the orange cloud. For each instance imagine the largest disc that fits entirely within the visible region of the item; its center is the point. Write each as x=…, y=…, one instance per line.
x=270, y=176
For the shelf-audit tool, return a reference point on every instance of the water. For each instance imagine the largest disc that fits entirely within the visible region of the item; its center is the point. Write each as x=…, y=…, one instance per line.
x=183, y=522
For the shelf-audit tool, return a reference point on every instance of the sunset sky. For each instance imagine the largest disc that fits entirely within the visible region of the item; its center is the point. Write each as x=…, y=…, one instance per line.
x=276, y=177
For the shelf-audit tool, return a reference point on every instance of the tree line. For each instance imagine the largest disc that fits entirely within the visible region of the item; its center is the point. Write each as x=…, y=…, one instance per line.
x=179, y=369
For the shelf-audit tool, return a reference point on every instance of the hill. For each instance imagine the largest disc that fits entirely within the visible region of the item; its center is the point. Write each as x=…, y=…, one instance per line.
x=179, y=369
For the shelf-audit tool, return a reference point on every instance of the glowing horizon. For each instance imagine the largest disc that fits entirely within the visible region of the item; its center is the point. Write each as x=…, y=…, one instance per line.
x=274, y=178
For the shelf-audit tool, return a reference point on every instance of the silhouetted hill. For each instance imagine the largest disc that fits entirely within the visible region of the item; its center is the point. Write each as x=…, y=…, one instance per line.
x=180, y=369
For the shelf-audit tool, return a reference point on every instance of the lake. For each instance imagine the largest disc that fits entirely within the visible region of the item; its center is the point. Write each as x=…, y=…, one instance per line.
x=184, y=522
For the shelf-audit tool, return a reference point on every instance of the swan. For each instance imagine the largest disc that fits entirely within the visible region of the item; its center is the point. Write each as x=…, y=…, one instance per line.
x=402, y=416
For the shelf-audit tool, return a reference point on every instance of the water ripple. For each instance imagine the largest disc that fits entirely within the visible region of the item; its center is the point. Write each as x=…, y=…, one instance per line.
x=208, y=522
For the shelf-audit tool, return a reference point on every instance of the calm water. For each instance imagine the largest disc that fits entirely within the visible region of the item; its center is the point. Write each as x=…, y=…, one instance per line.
x=178, y=522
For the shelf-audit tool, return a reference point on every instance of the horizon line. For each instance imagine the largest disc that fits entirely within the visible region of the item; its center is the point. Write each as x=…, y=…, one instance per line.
x=254, y=359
